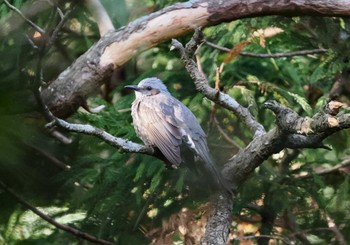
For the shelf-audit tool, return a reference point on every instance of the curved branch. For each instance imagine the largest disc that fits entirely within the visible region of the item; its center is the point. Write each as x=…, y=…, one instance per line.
x=114, y=49
x=216, y=96
x=52, y=221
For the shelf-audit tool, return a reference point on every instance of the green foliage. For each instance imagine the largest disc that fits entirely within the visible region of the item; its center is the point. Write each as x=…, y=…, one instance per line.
x=121, y=197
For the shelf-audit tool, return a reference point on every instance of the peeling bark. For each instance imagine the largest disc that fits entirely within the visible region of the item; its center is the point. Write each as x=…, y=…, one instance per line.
x=88, y=72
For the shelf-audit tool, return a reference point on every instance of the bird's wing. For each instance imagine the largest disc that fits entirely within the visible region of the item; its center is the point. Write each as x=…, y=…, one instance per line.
x=161, y=131
x=192, y=133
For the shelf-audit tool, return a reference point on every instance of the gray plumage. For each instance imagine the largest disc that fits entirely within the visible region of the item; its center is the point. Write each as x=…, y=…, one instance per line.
x=162, y=121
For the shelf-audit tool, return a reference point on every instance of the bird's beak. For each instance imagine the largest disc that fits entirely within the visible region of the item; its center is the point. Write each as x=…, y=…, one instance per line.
x=133, y=87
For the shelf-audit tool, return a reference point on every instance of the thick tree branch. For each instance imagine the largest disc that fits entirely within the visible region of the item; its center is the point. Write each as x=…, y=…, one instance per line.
x=114, y=49
x=322, y=124
x=52, y=221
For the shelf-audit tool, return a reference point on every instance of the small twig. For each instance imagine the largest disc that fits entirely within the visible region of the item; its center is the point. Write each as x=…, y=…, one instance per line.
x=31, y=23
x=52, y=221
x=198, y=59
x=45, y=48
x=326, y=171
x=276, y=55
x=58, y=27
x=60, y=137
x=50, y=157
x=32, y=43
x=223, y=133
x=283, y=55
x=217, y=79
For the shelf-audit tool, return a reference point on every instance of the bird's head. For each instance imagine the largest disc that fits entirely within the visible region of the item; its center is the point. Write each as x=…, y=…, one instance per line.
x=148, y=87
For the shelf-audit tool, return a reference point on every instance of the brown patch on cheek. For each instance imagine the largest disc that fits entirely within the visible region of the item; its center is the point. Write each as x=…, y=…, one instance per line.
x=155, y=91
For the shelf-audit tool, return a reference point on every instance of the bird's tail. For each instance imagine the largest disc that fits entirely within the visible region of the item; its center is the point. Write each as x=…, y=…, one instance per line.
x=222, y=183
x=211, y=167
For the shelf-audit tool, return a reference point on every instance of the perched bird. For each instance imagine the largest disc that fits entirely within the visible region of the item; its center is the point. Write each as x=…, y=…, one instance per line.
x=162, y=121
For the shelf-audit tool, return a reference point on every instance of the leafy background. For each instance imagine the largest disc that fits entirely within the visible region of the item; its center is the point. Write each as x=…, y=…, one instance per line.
x=134, y=199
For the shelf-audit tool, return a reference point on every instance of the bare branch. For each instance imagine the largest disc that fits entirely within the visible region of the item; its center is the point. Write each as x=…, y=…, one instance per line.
x=122, y=144
x=324, y=171
x=276, y=55
x=100, y=15
x=31, y=23
x=52, y=221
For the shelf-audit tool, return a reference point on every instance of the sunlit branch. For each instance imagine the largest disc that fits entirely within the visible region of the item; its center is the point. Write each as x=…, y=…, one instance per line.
x=52, y=221
x=100, y=15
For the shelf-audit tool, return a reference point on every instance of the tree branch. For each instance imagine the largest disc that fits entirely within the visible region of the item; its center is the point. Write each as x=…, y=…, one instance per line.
x=31, y=23
x=329, y=170
x=276, y=55
x=121, y=144
x=322, y=124
x=52, y=221
x=216, y=96
x=100, y=15
x=114, y=49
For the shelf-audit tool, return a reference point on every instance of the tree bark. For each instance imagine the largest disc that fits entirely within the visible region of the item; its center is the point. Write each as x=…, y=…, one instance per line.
x=88, y=72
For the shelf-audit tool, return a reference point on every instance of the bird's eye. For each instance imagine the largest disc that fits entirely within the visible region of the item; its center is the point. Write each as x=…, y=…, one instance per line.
x=149, y=88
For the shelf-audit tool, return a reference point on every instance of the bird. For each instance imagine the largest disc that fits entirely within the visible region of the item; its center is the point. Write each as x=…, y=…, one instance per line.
x=162, y=121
